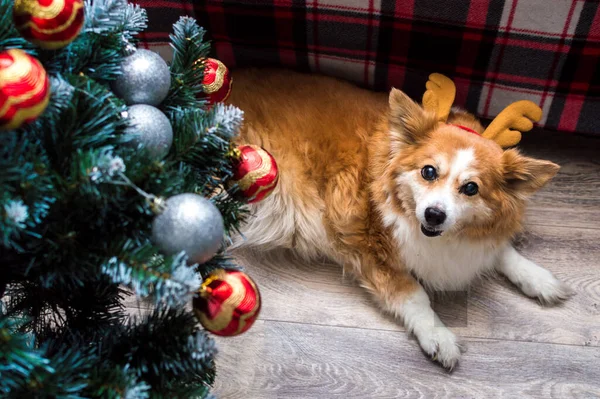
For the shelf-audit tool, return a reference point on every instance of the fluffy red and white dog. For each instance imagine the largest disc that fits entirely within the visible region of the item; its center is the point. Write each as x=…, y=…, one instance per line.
x=401, y=200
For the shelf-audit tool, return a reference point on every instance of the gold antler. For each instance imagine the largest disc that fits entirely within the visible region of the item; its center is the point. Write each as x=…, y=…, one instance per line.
x=518, y=116
x=439, y=95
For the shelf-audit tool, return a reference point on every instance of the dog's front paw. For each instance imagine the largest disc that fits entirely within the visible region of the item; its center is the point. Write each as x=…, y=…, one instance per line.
x=545, y=287
x=441, y=344
x=533, y=280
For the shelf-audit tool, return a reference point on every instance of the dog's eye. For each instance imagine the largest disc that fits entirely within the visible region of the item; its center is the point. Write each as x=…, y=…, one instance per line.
x=429, y=173
x=470, y=189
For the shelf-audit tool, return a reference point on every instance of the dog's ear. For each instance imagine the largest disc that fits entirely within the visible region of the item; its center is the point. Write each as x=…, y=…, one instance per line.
x=409, y=122
x=524, y=175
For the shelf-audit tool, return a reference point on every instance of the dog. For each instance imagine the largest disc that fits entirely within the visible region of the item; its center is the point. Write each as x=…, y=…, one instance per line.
x=402, y=201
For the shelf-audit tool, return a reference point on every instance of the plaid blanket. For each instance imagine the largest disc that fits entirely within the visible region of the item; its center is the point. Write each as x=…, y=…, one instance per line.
x=496, y=51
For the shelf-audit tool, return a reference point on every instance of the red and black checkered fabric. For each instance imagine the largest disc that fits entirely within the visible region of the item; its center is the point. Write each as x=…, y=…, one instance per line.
x=496, y=51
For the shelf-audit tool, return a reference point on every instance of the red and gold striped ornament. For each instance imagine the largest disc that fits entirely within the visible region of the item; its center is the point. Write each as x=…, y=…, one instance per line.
x=24, y=89
x=255, y=172
x=217, y=81
x=49, y=24
x=228, y=303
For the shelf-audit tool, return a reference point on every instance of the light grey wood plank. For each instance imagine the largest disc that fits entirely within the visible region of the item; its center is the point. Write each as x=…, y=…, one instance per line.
x=318, y=293
x=573, y=197
x=288, y=360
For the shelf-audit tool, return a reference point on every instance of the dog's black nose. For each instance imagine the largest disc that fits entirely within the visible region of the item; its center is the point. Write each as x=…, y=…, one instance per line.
x=434, y=216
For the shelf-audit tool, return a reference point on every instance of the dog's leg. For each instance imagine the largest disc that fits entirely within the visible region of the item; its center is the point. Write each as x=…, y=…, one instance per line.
x=362, y=250
x=533, y=280
x=401, y=295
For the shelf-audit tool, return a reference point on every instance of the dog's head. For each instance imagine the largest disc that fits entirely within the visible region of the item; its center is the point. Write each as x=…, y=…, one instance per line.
x=452, y=181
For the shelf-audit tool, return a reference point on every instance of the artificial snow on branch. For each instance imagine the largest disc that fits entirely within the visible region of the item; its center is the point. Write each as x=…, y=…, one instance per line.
x=170, y=281
x=102, y=16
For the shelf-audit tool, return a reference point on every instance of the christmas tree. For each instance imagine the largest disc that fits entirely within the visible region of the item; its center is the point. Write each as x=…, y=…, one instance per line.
x=116, y=176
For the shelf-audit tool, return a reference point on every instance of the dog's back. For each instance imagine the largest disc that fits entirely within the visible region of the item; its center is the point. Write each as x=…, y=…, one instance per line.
x=318, y=129
x=320, y=114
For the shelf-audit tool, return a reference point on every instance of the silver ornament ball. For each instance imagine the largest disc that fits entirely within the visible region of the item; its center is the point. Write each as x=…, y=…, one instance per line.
x=145, y=79
x=189, y=223
x=150, y=129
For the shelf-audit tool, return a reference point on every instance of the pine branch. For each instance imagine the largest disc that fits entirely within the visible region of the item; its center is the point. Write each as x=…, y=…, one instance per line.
x=219, y=261
x=170, y=281
x=110, y=25
x=233, y=211
x=183, y=390
x=60, y=100
x=188, y=46
x=18, y=357
x=67, y=376
x=202, y=139
x=80, y=314
x=166, y=350
x=92, y=309
x=26, y=190
x=187, y=70
x=103, y=16
x=95, y=55
x=227, y=120
x=92, y=120
x=116, y=383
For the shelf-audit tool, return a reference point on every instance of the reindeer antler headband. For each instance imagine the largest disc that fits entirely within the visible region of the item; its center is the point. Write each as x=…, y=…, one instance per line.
x=505, y=129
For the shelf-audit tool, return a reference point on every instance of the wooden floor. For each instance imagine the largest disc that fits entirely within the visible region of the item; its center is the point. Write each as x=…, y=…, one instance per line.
x=319, y=335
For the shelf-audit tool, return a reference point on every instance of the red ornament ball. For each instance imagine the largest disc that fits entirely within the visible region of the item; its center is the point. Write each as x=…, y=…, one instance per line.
x=228, y=303
x=49, y=24
x=217, y=81
x=24, y=89
x=255, y=172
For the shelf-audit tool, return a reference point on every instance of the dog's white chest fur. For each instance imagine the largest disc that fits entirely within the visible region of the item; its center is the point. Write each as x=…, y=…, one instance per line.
x=442, y=263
